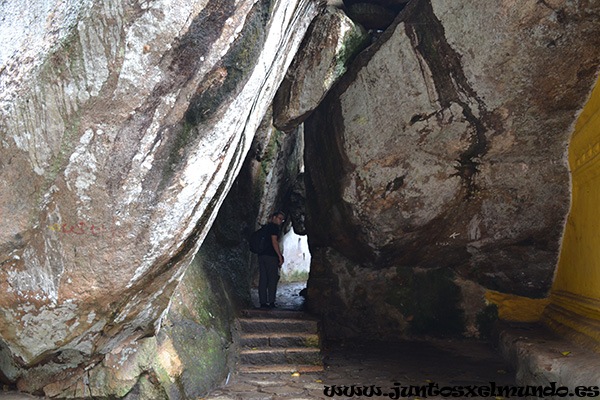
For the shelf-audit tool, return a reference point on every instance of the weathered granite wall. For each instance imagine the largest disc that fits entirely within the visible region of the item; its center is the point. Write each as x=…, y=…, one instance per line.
x=440, y=157
x=124, y=125
x=195, y=349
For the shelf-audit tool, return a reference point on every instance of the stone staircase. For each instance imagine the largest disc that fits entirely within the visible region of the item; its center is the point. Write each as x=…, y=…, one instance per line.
x=279, y=341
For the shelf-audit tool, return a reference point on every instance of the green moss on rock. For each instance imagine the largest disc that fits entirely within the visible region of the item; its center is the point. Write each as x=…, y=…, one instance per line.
x=356, y=40
x=203, y=353
x=147, y=389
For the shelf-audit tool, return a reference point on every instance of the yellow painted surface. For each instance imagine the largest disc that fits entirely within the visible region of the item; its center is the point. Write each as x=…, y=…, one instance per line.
x=517, y=308
x=574, y=308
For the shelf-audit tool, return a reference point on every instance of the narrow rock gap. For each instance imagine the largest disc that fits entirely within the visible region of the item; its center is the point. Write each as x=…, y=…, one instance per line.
x=396, y=252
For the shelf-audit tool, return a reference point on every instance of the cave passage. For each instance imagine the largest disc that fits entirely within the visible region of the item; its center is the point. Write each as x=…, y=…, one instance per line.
x=293, y=274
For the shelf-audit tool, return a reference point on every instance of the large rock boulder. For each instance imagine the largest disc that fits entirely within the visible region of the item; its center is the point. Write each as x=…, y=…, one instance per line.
x=331, y=42
x=124, y=124
x=444, y=147
x=197, y=345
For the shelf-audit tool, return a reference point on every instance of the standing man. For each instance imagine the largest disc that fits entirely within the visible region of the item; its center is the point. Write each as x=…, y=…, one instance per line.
x=269, y=263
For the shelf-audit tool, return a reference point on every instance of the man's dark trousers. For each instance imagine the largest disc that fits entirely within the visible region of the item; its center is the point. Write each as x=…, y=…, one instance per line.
x=268, y=278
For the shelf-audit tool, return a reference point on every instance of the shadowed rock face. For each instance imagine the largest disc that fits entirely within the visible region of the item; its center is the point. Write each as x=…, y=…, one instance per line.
x=124, y=124
x=332, y=40
x=444, y=146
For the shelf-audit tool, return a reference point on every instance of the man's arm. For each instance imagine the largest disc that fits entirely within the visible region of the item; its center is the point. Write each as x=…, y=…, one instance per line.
x=276, y=247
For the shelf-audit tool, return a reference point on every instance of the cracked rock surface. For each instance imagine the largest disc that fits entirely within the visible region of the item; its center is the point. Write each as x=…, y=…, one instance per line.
x=444, y=147
x=124, y=125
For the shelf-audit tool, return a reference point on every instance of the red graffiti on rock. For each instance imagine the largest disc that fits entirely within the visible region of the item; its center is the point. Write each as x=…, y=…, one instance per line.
x=81, y=228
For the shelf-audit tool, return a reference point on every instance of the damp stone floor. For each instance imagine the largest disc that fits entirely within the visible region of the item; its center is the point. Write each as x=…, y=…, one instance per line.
x=384, y=369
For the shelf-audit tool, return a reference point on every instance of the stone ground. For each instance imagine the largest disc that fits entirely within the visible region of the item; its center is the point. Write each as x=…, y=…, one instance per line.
x=419, y=363
x=372, y=363
x=288, y=296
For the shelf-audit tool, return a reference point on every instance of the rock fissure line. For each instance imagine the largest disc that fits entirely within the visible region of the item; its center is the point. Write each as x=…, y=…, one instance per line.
x=186, y=59
x=428, y=38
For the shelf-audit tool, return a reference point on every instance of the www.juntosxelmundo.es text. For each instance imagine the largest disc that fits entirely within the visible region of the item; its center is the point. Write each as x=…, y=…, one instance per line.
x=398, y=391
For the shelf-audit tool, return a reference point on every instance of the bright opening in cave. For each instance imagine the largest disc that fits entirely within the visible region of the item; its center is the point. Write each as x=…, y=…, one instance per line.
x=297, y=257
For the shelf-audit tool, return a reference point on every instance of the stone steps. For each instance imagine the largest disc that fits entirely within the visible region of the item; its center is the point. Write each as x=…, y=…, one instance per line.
x=279, y=369
x=262, y=325
x=295, y=356
x=279, y=341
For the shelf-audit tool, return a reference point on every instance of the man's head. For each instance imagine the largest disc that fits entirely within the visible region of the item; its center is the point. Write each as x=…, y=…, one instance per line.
x=278, y=218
